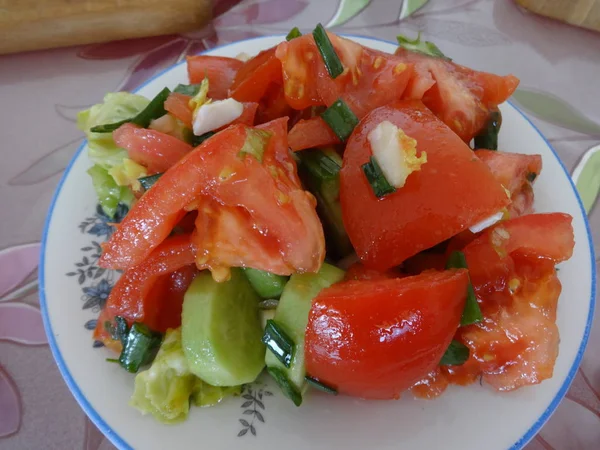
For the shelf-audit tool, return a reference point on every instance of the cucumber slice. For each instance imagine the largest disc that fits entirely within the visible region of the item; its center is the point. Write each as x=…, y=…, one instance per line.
x=292, y=316
x=221, y=330
x=267, y=285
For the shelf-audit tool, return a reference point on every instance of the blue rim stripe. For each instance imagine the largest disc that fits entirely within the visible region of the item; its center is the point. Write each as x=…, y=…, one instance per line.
x=120, y=443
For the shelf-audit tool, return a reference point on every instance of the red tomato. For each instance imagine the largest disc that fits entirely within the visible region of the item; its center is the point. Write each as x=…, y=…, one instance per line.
x=255, y=76
x=513, y=171
x=152, y=149
x=358, y=272
x=248, y=114
x=375, y=339
x=370, y=79
x=178, y=105
x=451, y=192
x=427, y=260
x=270, y=193
x=461, y=97
x=512, y=270
x=311, y=133
x=132, y=298
x=219, y=70
x=273, y=105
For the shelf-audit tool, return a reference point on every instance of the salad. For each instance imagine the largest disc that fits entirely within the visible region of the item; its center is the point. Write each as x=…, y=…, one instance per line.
x=344, y=218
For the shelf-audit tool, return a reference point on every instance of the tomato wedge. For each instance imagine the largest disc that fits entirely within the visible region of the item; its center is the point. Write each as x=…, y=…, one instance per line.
x=311, y=133
x=219, y=70
x=375, y=339
x=132, y=298
x=461, y=97
x=516, y=172
x=155, y=150
x=451, y=192
x=178, y=105
x=255, y=77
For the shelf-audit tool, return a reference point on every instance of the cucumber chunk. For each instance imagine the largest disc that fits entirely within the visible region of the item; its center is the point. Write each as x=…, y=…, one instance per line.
x=221, y=330
x=292, y=315
x=267, y=285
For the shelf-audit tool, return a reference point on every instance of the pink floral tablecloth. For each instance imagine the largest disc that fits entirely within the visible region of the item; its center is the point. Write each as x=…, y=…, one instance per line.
x=41, y=93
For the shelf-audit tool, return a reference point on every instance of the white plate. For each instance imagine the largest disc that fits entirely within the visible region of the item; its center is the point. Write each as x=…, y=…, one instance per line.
x=463, y=418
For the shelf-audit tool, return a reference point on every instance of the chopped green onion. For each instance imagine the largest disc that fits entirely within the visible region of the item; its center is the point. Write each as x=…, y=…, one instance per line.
x=140, y=347
x=456, y=354
x=330, y=58
x=288, y=388
x=268, y=304
x=197, y=140
x=154, y=110
x=187, y=89
x=376, y=178
x=293, y=34
x=320, y=386
x=322, y=165
x=472, y=312
x=255, y=143
x=279, y=342
x=112, y=360
x=488, y=136
x=148, y=182
x=340, y=118
x=531, y=176
x=418, y=46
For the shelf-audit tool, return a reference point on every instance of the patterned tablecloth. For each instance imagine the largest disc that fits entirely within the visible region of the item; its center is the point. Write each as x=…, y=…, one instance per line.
x=41, y=93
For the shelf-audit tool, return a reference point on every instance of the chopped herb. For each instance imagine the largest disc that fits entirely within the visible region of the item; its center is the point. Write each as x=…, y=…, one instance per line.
x=112, y=360
x=148, y=182
x=418, y=46
x=293, y=34
x=340, y=118
x=472, y=312
x=197, y=140
x=289, y=390
x=320, y=386
x=279, y=343
x=330, y=58
x=321, y=165
x=531, y=176
x=188, y=89
x=255, y=143
x=154, y=110
x=380, y=185
x=488, y=136
x=456, y=354
x=139, y=348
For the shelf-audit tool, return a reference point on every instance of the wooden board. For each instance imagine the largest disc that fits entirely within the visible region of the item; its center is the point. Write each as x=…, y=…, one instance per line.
x=583, y=13
x=38, y=24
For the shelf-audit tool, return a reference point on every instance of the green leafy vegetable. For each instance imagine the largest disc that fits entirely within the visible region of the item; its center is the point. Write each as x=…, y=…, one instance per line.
x=154, y=110
x=279, y=342
x=139, y=348
x=256, y=143
x=267, y=285
x=108, y=192
x=380, y=185
x=488, y=136
x=205, y=395
x=187, y=89
x=164, y=389
x=288, y=389
x=293, y=34
x=425, y=47
x=197, y=140
x=456, y=354
x=472, y=313
x=340, y=118
x=330, y=58
x=320, y=386
x=148, y=182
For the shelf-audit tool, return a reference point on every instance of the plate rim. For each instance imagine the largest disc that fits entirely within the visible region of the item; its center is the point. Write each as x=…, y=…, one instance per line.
x=121, y=444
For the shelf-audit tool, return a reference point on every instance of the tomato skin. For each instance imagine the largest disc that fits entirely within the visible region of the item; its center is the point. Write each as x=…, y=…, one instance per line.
x=219, y=70
x=461, y=97
x=132, y=298
x=375, y=339
x=169, y=291
x=255, y=76
x=311, y=133
x=513, y=170
x=248, y=114
x=178, y=105
x=152, y=149
x=451, y=192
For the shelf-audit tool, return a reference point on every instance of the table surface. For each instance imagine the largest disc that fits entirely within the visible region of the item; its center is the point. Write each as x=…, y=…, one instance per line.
x=42, y=91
